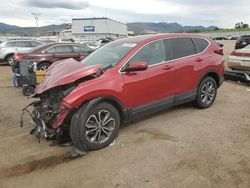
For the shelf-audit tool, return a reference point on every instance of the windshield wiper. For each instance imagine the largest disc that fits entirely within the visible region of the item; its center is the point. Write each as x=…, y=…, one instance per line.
x=106, y=68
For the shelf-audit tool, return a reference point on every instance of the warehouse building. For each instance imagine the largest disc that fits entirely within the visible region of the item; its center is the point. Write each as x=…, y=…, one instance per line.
x=92, y=29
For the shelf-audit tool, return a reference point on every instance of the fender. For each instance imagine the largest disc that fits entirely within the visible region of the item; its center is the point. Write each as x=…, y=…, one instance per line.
x=214, y=72
x=114, y=101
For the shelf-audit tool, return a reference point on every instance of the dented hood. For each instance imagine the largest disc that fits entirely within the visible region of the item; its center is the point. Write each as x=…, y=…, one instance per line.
x=65, y=72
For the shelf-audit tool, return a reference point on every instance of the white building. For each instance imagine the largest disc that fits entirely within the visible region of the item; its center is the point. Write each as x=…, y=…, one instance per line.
x=92, y=29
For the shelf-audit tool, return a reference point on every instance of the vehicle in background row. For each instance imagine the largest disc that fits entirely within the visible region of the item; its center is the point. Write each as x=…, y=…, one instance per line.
x=100, y=42
x=123, y=81
x=66, y=40
x=47, y=54
x=220, y=38
x=242, y=42
x=240, y=59
x=9, y=48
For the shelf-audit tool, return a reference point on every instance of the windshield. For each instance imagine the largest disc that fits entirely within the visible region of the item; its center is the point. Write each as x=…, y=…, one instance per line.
x=110, y=54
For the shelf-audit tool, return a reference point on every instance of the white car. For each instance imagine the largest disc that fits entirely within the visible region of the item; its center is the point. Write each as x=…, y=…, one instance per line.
x=9, y=48
x=240, y=59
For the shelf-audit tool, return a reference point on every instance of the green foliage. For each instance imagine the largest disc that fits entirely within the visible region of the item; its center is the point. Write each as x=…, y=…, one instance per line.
x=241, y=25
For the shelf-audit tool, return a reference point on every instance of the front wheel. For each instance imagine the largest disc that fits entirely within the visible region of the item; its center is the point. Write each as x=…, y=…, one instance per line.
x=207, y=92
x=95, y=127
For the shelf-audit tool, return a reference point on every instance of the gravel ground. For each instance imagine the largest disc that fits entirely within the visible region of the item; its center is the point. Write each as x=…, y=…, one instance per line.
x=179, y=147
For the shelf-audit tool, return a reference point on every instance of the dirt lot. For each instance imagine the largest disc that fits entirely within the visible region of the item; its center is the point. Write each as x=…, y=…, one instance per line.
x=180, y=147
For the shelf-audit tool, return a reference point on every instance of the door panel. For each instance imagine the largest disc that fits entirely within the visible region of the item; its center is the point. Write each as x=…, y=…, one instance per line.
x=182, y=54
x=155, y=83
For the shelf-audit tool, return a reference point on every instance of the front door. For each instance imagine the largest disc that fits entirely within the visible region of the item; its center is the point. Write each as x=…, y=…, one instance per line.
x=152, y=87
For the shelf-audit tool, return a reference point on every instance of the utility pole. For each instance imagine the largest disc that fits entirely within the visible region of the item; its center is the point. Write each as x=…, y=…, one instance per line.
x=36, y=17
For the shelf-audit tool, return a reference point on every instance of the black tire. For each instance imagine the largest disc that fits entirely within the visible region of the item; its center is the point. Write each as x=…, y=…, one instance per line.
x=78, y=128
x=28, y=90
x=206, y=93
x=10, y=59
x=43, y=66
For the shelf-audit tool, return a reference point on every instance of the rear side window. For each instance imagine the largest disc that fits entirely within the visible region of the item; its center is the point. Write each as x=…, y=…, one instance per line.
x=23, y=44
x=181, y=47
x=61, y=49
x=64, y=49
x=152, y=53
x=200, y=44
x=79, y=49
x=10, y=44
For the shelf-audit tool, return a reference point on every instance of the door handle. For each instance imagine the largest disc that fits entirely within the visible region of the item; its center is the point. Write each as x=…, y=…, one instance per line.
x=166, y=67
x=198, y=59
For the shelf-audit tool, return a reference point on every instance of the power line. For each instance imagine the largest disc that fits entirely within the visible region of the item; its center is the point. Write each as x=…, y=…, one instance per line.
x=36, y=17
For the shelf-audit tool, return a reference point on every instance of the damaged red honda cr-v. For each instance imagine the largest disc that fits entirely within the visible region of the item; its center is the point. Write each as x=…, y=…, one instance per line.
x=123, y=81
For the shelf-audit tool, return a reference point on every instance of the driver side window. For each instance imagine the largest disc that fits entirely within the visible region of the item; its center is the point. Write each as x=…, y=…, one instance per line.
x=152, y=53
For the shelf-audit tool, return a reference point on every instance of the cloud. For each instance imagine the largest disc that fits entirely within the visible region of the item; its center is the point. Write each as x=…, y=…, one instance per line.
x=223, y=13
x=72, y=5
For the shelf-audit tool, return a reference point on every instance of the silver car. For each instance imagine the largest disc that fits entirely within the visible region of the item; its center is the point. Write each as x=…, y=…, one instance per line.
x=9, y=48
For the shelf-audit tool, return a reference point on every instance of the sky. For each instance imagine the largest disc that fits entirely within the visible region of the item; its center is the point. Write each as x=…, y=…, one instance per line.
x=221, y=13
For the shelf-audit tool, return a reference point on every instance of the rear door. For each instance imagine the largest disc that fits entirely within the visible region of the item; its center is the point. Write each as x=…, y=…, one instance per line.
x=183, y=56
x=63, y=51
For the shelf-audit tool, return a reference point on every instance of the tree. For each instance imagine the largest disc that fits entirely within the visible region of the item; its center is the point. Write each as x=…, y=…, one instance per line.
x=240, y=25
x=245, y=26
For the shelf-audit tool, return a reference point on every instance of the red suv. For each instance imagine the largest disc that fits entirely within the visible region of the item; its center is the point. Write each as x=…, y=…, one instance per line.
x=123, y=81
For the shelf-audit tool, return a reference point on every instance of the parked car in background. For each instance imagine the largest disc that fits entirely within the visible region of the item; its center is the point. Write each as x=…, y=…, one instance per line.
x=123, y=81
x=66, y=40
x=9, y=48
x=220, y=38
x=240, y=59
x=47, y=54
x=100, y=42
x=242, y=42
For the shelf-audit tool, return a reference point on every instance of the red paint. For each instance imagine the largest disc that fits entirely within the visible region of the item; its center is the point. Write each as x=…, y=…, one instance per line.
x=136, y=88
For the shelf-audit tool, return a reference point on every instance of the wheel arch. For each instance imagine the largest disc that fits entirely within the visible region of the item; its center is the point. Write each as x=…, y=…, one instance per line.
x=7, y=55
x=212, y=73
x=113, y=101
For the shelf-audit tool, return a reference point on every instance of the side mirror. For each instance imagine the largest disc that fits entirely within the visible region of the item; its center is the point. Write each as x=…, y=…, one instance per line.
x=136, y=66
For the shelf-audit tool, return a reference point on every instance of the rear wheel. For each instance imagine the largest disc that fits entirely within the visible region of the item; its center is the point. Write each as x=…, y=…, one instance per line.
x=10, y=59
x=207, y=92
x=43, y=66
x=96, y=127
x=28, y=90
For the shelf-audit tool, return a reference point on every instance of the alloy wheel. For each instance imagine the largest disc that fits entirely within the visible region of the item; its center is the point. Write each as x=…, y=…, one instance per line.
x=99, y=127
x=208, y=93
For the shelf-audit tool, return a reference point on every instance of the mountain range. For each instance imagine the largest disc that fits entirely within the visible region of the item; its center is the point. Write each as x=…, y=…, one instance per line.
x=137, y=27
x=162, y=27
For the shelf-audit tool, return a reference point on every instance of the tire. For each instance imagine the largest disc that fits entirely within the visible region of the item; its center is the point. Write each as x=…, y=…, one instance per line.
x=206, y=93
x=28, y=90
x=43, y=66
x=87, y=133
x=10, y=59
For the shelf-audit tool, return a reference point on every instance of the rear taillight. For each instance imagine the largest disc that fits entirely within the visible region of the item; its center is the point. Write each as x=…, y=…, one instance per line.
x=235, y=53
x=19, y=57
x=219, y=51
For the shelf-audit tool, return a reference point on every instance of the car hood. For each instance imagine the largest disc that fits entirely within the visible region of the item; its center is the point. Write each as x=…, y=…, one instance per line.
x=65, y=72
